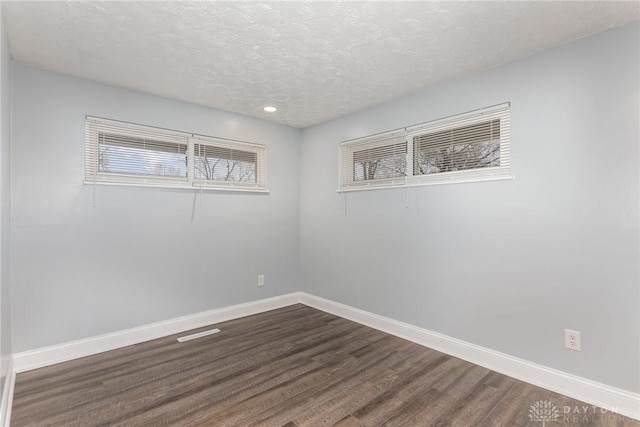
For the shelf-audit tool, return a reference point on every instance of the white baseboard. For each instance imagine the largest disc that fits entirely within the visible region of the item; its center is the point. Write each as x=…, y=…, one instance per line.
x=594, y=393
x=7, y=395
x=85, y=347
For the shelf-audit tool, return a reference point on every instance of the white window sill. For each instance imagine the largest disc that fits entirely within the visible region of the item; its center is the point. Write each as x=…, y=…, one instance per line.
x=182, y=187
x=426, y=183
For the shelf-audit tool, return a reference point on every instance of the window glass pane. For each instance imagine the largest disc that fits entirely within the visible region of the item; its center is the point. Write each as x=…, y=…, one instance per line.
x=469, y=147
x=224, y=164
x=120, y=152
x=140, y=156
x=388, y=161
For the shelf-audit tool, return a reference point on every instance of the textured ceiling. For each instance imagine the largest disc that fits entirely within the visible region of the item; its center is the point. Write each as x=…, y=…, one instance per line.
x=313, y=60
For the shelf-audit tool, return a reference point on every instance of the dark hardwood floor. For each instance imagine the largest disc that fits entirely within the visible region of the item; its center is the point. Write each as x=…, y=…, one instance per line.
x=295, y=366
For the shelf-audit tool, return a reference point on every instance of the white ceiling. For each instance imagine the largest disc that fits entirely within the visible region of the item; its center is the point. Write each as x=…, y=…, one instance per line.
x=313, y=60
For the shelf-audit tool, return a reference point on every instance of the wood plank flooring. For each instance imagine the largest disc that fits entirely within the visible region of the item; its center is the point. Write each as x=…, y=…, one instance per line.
x=295, y=366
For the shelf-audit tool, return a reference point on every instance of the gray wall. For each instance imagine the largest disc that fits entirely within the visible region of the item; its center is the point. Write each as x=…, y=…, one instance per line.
x=507, y=265
x=142, y=254
x=5, y=205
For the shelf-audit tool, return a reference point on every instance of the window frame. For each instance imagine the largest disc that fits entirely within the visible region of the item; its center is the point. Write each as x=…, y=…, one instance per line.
x=347, y=161
x=502, y=112
x=94, y=126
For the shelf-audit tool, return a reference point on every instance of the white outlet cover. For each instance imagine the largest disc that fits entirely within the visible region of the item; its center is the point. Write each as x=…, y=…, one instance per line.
x=572, y=340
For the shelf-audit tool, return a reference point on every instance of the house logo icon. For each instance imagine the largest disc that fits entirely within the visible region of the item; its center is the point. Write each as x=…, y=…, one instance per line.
x=544, y=411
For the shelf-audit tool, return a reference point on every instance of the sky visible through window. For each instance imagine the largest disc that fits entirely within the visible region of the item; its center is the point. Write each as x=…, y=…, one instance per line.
x=141, y=161
x=148, y=162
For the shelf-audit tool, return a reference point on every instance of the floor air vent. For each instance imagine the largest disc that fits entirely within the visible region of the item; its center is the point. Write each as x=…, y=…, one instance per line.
x=198, y=335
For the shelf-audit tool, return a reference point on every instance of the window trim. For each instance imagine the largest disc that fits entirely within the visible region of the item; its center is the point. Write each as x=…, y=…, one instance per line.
x=346, y=161
x=502, y=172
x=93, y=126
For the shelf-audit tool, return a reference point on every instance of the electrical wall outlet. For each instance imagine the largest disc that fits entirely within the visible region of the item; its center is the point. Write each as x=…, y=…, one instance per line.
x=572, y=340
x=261, y=280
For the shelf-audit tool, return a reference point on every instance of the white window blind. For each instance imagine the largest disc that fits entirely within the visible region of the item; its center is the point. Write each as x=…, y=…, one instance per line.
x=468, y=147
x=125, y=153
x=232, y=164
x=376, y=161
x=463, y=148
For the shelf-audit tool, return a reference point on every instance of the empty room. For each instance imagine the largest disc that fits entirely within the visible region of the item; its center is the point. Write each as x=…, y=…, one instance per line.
x=308, y=213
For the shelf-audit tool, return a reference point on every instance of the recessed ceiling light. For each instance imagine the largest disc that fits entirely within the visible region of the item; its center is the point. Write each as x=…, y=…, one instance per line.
x=270, y=109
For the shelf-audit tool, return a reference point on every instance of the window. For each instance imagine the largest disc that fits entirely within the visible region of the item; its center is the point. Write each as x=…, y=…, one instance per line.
x=118, y=152
x=375, y=161
x=461, y=148
x=464, y=148
x=468, y=147
x=220, y=162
